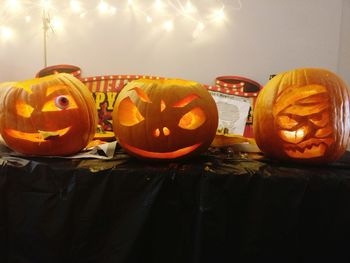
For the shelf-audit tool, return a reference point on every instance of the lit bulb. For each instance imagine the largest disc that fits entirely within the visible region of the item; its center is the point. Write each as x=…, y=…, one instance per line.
x=28, y=19
x=189, y=8
x=158, y=4
x=57, y=23
x=6, y=33
x=45, y=4
x=168, y=25
x=13, y=5
x=219, y=15
x=75, y=6
x=103, y=7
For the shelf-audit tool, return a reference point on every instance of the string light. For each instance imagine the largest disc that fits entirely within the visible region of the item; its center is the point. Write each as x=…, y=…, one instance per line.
x=218, y=15
x=158, y=5
x=106, y=8
x=168, y=25
x=28, y=19
x=75, y=6
x=189, y=8
x=168, y=12
x=6, y=33
x=45, y=4
x=103, y=7
x=57, y=24
x=13, y=5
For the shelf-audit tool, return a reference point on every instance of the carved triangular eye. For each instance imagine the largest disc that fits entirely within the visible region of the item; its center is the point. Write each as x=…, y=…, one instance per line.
x=162, y=105
x=128, y=114
x=287, y=122
x=192, y=119
x=321, y=119
x=142, y=95
x=185, y=101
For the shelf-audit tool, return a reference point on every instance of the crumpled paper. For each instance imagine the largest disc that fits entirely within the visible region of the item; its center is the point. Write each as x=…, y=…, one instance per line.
x=102, y=151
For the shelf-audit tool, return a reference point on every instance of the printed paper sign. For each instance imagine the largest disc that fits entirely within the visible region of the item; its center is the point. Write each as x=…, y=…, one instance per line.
x=233, y=112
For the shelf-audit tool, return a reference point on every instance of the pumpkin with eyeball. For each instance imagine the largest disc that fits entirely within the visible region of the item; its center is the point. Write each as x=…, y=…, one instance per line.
x=53, y=115
x=303, y=115
x=164, y=119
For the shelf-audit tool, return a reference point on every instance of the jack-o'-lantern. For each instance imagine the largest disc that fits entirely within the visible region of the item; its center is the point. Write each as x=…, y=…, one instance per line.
x=303, y=115
x=164, y=119
x=53, y=115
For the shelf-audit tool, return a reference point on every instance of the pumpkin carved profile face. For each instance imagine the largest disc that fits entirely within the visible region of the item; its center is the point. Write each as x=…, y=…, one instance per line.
x=164, y=119
x=53, y=115
x=303, y=115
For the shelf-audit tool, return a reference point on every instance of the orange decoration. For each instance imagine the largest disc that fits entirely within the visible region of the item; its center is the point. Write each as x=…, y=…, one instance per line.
x=164, y=119
x=53, y=115
x=303, y=115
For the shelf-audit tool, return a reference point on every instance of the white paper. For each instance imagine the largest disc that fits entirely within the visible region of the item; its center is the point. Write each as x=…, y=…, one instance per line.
x=233, y=112
x=102, y=151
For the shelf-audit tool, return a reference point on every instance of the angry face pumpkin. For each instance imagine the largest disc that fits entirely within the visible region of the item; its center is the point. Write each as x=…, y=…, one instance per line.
x=164, y=119
x=53, y=115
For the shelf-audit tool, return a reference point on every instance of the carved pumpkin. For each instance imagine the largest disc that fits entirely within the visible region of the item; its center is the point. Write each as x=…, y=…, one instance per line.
x=303, y=115
x=164, y=119
x=53, y=115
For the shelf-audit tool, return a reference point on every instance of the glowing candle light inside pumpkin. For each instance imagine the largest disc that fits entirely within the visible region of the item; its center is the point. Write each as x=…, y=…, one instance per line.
x=307, y=108
x=166, y=131
x=293, y=136
x=23, y=109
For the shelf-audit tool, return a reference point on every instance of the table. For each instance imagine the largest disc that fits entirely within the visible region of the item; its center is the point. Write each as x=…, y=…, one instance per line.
x=214, y=208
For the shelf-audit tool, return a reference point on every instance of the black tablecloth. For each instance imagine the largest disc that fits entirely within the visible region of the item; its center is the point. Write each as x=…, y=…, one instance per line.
x=209, y=209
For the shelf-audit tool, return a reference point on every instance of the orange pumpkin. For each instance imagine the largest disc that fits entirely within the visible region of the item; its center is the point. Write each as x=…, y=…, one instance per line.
x=53, y=115
x=303, y=115
x=164, y=119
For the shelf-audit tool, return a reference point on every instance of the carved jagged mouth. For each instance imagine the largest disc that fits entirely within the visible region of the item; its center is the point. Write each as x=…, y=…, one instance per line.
x=310, y=151
x=40, y=136
x=161, y=155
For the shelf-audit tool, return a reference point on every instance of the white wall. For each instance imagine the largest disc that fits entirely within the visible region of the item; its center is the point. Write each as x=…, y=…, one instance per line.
x=344, y=50
x=259, y=39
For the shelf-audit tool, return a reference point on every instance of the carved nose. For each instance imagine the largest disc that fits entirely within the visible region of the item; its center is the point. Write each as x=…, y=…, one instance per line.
x=163, y=131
